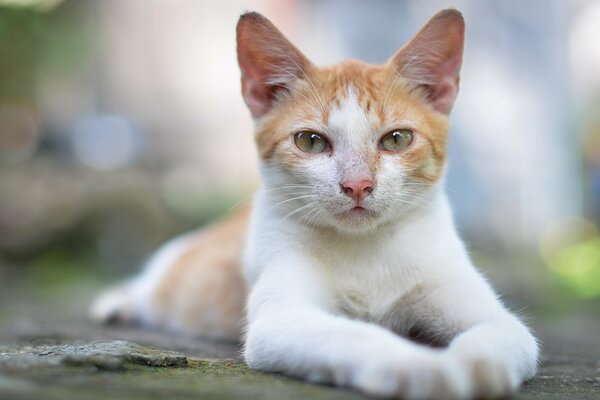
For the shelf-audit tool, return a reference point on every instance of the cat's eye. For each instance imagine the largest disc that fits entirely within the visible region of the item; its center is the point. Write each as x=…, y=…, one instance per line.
x=311, y=142
x=397, y=140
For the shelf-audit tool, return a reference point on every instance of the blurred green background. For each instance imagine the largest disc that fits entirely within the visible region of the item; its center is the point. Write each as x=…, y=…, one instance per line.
x=121, y=125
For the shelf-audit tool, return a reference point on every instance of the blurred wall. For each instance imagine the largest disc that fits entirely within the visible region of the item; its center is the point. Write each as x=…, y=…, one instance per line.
x=121, y=121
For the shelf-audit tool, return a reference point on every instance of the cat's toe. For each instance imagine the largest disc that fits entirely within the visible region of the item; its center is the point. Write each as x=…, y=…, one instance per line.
x=420, y=377
x=438, y=380
x=492, y=380
x=112, y=306
x=489, y=378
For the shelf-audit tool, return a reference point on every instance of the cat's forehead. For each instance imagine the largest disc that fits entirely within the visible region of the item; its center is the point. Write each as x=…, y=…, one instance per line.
x=359, y=95
x=352, y=81
x=354, y=102
x=350, y=116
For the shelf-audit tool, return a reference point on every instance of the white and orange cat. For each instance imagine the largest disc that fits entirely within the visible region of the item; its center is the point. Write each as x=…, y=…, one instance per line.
x=348, y=270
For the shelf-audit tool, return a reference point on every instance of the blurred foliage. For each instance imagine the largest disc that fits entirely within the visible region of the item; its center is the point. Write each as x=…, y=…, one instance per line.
x=34, y=42
x=62, y=266
x=37, y=5
x=118, y=218
x=578, y=266
x=570, y=250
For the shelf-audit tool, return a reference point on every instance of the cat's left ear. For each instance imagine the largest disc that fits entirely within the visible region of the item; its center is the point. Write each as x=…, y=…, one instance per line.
x=268, y=61
x=432, y=59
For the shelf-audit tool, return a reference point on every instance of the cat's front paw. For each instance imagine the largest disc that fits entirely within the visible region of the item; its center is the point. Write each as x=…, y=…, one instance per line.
x=427, y=375
x=489, y=377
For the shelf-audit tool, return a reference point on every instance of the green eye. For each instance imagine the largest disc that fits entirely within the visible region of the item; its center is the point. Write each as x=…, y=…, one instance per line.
x=397, y=140
x=310, y=142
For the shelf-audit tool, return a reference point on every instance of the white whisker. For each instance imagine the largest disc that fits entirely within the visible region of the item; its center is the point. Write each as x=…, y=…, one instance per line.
x=292, y=199
x=297, y=211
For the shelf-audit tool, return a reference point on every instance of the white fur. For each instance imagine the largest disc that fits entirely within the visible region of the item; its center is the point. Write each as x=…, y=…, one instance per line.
x=331, y=297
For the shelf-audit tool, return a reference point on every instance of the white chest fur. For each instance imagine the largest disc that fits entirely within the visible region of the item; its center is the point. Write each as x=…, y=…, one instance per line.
x=367, y=276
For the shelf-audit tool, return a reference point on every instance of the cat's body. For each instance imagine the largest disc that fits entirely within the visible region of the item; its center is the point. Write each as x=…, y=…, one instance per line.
x=350, y=249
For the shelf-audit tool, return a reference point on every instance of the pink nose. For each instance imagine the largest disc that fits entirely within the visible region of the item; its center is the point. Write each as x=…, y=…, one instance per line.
x=357, y=189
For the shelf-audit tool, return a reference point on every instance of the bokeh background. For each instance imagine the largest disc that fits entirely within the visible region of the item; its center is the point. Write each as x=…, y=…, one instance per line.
x=122, y=125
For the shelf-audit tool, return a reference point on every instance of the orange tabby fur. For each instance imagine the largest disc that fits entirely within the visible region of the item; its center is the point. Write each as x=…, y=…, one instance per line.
x=374, y=259
x=426, y=159
x=204, y=286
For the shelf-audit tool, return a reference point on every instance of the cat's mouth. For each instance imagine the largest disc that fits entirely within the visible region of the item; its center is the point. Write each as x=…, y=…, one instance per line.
x=356, y=218
x=357, y=212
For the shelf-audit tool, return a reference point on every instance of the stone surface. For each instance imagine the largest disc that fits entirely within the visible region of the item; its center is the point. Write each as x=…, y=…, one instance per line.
x=48, y=350
x=101, y=355
x=69, y=363
x=119, y=369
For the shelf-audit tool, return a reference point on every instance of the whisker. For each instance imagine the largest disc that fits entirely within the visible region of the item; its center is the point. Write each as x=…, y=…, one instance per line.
x=292, y=199
x=246, y=198
x=412, y=196
x=320, y=216
x=385, y=99
x=419, y=204
x=397, y=79
x=287, y=186
x=310, y=215
x=297, y=211
x=416, y=184
x=250, y=196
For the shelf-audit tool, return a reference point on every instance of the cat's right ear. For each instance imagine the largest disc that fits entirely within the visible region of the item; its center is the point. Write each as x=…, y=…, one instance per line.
x=268, y=61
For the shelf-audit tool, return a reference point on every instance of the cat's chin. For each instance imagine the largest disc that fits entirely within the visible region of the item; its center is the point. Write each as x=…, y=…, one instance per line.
x=356, y=220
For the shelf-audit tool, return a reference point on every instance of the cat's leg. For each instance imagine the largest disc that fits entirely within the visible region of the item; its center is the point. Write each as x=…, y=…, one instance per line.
x=114, y=305
x=293, y=329
x=192, y=285
x=493, y=346
x=131, y=300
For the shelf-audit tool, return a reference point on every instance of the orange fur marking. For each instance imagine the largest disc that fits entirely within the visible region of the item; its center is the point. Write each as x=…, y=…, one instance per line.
x=204, y=287
x=380, y=92
x=204, y=290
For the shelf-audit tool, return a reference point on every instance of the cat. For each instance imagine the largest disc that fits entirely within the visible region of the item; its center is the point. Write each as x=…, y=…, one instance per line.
x=347, y=269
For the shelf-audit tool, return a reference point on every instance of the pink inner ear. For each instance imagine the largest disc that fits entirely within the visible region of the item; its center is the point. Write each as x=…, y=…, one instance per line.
x=256, y=99
x=443, y=93
x=268, y=61
x=432, y=59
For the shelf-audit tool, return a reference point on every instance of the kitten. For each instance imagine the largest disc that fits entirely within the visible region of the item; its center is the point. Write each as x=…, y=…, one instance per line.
x=350, y=249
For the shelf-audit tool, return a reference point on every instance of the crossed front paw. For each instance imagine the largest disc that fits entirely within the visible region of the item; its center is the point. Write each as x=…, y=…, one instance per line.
x=435, y=376
x=420, y=376
x=489, y=377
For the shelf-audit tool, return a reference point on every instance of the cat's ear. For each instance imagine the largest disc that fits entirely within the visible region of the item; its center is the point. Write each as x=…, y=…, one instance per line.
x=432, y=59
x=269, y=62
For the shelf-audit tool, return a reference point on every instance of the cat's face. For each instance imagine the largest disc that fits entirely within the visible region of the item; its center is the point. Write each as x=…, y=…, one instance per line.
x=353, y=152
x=352, y=146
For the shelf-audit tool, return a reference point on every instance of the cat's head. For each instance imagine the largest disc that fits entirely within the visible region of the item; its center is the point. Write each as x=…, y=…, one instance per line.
x=351, y=146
